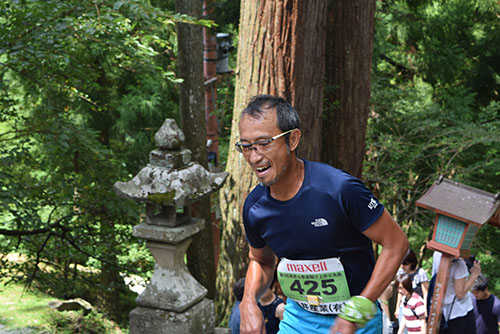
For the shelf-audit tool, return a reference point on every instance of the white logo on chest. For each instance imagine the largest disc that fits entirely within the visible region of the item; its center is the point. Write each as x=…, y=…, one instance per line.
x=318, y=222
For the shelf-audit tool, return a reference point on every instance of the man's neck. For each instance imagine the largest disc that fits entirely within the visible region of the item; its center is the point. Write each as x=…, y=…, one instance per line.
x=289, y=184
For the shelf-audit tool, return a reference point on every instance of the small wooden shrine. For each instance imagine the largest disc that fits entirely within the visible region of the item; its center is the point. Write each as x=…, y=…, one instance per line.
x=461, y=211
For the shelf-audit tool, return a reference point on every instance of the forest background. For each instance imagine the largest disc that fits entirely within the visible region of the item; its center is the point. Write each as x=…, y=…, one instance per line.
x=85, y=85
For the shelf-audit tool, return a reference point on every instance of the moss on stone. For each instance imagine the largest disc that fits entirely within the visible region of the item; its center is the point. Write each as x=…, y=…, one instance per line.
x=163, y=199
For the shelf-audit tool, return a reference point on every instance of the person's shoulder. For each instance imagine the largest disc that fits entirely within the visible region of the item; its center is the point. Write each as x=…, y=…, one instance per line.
x=422, y=273
x=279, y=300
x=322, y=174
x=321, y=167
x=495, y=304
x=415, y=297
x=496, y=300
x=255, y=194
x=459, y=268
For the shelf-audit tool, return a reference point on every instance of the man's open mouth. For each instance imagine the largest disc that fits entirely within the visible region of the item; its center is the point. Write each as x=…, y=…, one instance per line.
x=262, y=169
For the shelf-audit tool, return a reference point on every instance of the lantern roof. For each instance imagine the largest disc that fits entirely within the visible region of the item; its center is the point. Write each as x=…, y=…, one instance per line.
x=170, y=178
x=462, y=202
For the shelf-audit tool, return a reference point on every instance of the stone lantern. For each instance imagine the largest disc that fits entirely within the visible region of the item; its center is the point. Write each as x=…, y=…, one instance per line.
x=173, y=301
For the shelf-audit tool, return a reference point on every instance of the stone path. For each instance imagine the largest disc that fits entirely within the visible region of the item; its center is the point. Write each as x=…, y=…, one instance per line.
x=4, y=330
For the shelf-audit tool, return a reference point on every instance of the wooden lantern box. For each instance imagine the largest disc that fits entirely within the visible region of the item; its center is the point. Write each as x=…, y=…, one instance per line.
x=460, y=212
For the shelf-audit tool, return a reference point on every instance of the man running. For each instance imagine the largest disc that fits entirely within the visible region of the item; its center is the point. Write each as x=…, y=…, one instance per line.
x=320, y=222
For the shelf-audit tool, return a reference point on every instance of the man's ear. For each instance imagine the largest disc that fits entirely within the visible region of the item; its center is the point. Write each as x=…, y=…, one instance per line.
x=295, y=139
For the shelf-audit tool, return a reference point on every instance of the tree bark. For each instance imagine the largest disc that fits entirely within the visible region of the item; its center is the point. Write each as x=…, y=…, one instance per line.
x=281, y=52
x=200, y=259
x=349, y=48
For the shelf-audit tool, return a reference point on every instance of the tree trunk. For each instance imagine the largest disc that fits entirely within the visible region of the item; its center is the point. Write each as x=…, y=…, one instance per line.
x=112, y=284
x=200, y=259
x=281, y=53
x=349, y=46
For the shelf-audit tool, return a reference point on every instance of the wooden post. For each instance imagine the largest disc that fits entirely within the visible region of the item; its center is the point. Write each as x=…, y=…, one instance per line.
x=439, y=293
x=210, y=74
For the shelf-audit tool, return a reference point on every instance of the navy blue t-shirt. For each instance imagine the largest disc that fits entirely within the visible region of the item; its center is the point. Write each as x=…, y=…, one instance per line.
x=487, y=314
x=323, y=220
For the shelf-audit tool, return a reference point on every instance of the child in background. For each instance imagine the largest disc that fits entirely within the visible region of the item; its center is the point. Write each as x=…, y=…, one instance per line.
x=272, y=308
x=413, y=307
x=271, y=305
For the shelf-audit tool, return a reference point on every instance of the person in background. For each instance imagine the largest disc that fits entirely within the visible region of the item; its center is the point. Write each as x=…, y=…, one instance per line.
x=413, y=310
x=419, y=278
x=457, y=304
x=387, y=327
x=486, y=307
x=271, y=305
x=272, y=308
x=234, y=317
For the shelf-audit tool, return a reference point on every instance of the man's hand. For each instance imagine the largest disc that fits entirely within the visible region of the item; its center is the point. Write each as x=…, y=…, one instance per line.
x=342, y=326
x=251, y=318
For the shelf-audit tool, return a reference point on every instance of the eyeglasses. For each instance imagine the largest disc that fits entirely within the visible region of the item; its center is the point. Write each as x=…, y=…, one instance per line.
x=259, y=146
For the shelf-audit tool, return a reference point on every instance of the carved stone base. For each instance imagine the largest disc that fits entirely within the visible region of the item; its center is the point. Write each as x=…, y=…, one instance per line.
x=198, y=319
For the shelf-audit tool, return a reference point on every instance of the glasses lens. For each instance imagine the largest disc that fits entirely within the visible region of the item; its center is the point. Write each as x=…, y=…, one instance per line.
x=238, y=147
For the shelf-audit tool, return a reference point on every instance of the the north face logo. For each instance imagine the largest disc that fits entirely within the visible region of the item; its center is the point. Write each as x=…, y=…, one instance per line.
x=318, y=222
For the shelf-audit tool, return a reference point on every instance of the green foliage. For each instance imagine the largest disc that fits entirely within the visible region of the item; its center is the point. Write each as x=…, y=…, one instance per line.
x=84, y=87
x=76, y=322
x=227, y=13
x=435, y=109
x=30, y=309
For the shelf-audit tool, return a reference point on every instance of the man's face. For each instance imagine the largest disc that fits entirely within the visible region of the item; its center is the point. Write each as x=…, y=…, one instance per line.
x=271, y=163
x=480, y=295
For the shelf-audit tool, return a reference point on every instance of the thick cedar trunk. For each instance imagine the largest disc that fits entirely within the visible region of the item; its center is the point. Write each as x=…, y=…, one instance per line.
x=200, y=259
x=281, y=53
x=349, y=48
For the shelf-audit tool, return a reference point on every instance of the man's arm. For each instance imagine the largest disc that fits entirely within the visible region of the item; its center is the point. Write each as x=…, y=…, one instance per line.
x=259, y=276
x=386, y=232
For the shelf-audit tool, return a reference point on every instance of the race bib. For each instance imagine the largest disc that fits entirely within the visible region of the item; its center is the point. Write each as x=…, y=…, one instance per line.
x=317, y=286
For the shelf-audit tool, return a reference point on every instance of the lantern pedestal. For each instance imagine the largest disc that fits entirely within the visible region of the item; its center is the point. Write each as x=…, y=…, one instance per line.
x=197, y=319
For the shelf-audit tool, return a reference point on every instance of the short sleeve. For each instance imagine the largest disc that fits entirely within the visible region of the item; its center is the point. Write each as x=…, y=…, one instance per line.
x=361, y=206
x=253, y=238
x=460, y=269
x=496, y=307
x=422, y=276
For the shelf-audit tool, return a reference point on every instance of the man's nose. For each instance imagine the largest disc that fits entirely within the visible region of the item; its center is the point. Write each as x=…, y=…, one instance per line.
x=254, y=155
